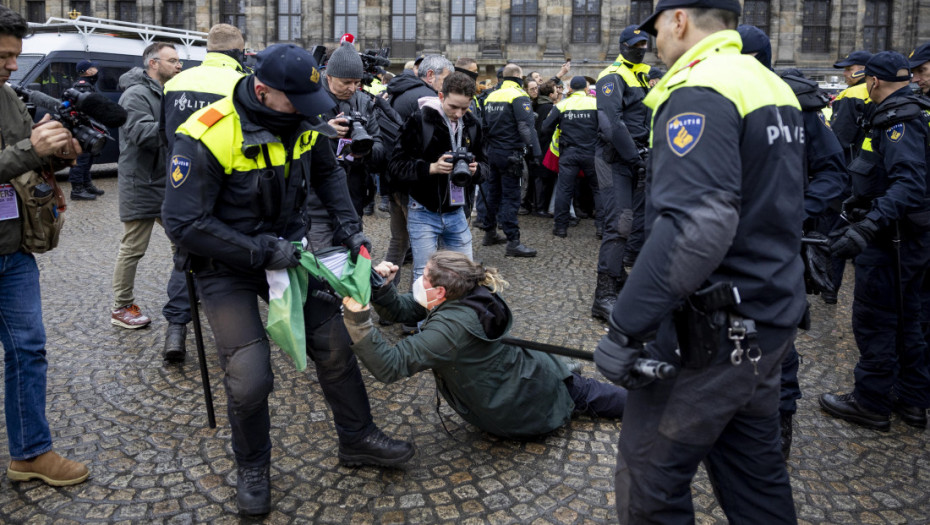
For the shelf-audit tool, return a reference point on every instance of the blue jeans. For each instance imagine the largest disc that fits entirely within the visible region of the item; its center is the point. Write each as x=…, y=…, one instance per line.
x=594, y=398
x=23, y=336
x=430, y=230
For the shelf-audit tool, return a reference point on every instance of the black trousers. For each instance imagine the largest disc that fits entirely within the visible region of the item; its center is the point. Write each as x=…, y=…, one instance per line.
x=231, y=306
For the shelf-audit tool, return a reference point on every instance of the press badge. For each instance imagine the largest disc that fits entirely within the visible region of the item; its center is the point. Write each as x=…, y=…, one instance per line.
x=456, y=195
x=8, y=208
x=341, y=146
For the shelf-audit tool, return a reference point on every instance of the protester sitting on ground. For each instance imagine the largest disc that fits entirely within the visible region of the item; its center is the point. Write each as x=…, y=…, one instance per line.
x=502, y=389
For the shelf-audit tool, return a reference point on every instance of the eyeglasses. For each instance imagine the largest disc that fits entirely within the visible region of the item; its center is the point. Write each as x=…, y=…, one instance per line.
x=172, y=61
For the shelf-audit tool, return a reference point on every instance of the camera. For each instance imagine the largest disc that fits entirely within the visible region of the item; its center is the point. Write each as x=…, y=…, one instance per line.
x=372, y=61
x=70, y=111
x=461, y=174
x=361, y=140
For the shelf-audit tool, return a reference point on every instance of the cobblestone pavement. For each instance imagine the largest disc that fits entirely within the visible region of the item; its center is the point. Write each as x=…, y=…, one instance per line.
x=141, y=425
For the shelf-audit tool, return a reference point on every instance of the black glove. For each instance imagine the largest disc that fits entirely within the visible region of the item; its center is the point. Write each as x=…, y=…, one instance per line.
x=817, y=267
x=284, y=254
x=615, y=356
x=355, y=242
x=849, y=242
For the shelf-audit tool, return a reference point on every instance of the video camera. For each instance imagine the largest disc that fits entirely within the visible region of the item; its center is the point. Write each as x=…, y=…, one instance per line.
x=372, y=60
x=461, y=173
x=361, y=140
x=85, y=115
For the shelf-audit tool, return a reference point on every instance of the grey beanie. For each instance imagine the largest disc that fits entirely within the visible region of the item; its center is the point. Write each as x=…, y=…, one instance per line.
x=345, y=63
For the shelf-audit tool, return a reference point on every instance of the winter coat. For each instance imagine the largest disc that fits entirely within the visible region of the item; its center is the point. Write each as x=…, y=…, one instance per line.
x=142, y=151
x=502, y=389
x=405, y=91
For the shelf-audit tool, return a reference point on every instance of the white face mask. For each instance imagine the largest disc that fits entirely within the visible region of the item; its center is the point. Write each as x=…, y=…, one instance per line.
x=419, y=292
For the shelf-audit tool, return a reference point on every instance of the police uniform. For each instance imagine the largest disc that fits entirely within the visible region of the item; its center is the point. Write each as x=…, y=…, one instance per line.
x=576, y=117
x=624, y=132
x=890, y=214
x=509, y=130
x=849, y=108
x=724, y=205
x=82, y=187
x=237, y=187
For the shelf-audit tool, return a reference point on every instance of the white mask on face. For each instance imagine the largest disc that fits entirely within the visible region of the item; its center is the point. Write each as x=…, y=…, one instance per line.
x=419, y=292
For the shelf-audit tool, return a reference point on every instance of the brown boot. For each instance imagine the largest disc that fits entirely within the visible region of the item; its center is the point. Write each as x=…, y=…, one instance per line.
x=50, y=468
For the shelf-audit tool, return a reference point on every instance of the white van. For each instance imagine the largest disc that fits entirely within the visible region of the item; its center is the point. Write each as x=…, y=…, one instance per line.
x=50, y=56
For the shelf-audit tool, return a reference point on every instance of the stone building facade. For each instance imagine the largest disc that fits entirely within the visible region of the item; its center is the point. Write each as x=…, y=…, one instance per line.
x=538, y=34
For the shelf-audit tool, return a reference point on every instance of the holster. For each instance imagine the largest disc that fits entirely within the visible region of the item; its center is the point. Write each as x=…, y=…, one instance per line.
x=700, y=321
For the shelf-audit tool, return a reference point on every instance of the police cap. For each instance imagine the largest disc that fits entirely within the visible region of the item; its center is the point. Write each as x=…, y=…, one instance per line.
x=885, y=66
x=578, y=82
x=631, y=35
x=856, y=58
x=919, y=55
x=649, y=25
x=292, y=69
x=84, y=65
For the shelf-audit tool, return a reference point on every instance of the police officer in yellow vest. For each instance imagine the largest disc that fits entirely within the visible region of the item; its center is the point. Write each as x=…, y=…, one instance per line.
x=576, y=117
x=237, y=197
x=849, y=106
x=724, y=208
x=624, y=133
x=509, y=131
x=189, y=91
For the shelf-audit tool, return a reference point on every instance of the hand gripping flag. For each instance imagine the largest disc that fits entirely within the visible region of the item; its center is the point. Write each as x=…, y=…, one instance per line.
x=287, y=294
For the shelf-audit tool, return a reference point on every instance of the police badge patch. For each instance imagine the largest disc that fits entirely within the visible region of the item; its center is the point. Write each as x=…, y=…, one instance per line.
x=528, y=107
x=683, y=132
x=895, y=132
x=180, y=169
x=607, y=88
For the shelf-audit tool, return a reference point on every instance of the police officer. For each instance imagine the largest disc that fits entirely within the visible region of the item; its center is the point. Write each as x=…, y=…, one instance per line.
x=187, y=92
x=889, y=236
x=849, y=107
x=624, y=133
x=82, y=187
x=576, y=117
x=919, y=62
x=826, y=181
x=237, y=198
x=342, y=80
x=509, y=131
x=724, y=205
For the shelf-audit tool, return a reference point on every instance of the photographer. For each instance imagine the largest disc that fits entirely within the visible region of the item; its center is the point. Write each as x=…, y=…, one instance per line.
x=502, y=389
x=358, y=145
x=24, y=149
x=441, y=153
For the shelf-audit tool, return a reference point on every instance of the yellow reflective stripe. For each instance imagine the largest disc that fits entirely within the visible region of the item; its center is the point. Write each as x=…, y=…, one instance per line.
x=631, y=76
x=577, y=102
x=554, y=145
x=857, y=91
x=507, y=93
x=866, y=144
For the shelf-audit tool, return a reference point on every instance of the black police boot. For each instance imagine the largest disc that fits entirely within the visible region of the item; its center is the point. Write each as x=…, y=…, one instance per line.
x=375, y=449
x=79, y=193
x=559, y=232
x=913, y=416
x=369, y=208
x=846, y=407
x=175, y=347
x=253, y=490
x=93, y=189
x=828, y=297
x=491, y=237
x=786, y=420
x=517, y=249
x=605, y=296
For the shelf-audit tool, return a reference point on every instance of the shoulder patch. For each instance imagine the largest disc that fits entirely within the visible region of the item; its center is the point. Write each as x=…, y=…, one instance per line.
x=180, y=169
x=528, y=107
x=895, y=132
x=210, y=117
x=683, y=132
x=607, y=88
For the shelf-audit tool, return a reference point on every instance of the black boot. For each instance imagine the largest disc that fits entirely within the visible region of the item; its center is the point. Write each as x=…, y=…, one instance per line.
x=913, y=416
x=175, y=348
x=605, y=296
x=517, y=249
x=598, y=230
x=79, y=193
x=375, y=449
x=787, y=420
x=93, y=189
x=846, y=407
x=491, y=237
x=369, y=208
x=253, y=490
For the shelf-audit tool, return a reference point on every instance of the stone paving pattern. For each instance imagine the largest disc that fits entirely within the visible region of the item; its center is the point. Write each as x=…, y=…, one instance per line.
x=142, y=427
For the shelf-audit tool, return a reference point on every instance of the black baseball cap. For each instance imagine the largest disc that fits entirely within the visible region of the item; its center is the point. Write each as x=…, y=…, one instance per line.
x=578, y=82
x=632, y=35
x=919, y=55
x=649, y=25
x=856, y=58
x=885, y=66
x=419, y=59
x=292, y=69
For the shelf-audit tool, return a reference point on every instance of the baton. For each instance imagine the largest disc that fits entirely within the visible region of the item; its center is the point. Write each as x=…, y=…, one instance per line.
x=815, y=241
x=198, y=337
x=644, y=367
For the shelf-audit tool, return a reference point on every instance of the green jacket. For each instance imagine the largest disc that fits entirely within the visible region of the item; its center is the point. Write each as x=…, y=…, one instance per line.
x=502, y=389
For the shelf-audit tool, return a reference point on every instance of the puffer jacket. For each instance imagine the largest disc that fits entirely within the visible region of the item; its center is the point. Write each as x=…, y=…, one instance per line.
x=142, y=151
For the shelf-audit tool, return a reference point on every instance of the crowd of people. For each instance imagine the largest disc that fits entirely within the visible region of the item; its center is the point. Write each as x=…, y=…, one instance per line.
x=707, y=183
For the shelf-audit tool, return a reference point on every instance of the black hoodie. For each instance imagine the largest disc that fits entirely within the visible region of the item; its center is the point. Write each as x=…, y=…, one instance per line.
x=405, y=91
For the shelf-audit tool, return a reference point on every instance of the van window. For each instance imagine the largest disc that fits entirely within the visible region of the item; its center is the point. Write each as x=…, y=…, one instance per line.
x=25, y=63
x=109, y=77
x=56, y=78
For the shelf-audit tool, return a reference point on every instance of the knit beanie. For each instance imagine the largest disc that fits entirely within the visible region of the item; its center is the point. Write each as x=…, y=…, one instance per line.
x=345, y=63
